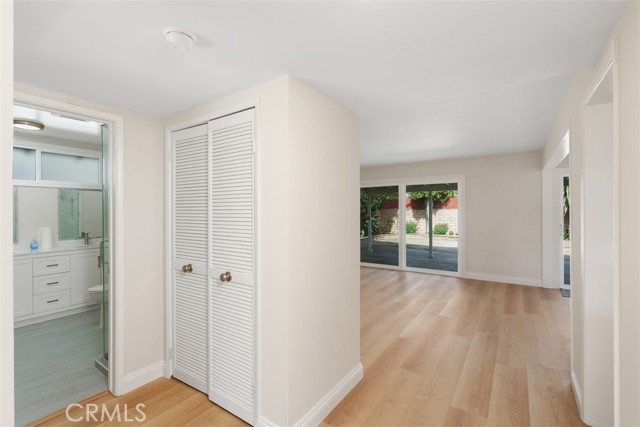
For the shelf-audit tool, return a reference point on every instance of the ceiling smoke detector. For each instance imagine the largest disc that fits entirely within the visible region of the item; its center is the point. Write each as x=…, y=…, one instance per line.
x=179, y=38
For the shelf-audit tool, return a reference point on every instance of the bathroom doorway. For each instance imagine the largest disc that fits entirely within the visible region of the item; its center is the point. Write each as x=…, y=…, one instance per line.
x=63, y=256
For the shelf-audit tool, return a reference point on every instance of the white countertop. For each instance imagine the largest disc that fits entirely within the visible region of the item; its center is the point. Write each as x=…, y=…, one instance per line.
x=22, y=250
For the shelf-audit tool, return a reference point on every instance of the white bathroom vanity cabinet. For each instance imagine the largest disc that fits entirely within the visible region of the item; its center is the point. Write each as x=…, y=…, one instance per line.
x=53, y=283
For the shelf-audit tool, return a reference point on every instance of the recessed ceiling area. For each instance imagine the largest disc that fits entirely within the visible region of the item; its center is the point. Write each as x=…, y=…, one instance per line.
x=430, y=80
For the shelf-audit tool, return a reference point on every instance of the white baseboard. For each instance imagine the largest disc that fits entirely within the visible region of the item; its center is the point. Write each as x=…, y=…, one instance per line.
x=143, y=376
x=321, y=409
x=525, y=281
x=577, y=392
x=265, y=422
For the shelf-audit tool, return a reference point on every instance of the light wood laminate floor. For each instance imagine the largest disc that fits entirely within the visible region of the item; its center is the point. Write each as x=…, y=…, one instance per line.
x=443, y=351
x=437, y=351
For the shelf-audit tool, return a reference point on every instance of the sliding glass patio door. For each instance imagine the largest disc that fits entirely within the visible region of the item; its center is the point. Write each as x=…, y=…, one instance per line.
x=379, y=231
x=432, y=226
x=413, y=226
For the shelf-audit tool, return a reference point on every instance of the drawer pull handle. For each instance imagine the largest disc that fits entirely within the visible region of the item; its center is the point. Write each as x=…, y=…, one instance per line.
x=52, y=265
x=52, y=283
x=53, y=300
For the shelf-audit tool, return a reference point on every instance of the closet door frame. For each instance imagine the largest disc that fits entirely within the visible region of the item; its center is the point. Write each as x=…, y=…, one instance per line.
x=169, y=303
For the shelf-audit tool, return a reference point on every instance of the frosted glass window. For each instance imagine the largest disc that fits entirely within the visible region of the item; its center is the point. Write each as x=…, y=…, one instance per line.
x=24, y=164
x=62, y=167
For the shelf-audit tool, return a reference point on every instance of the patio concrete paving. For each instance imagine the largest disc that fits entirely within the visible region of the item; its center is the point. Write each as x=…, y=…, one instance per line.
x=385, y=252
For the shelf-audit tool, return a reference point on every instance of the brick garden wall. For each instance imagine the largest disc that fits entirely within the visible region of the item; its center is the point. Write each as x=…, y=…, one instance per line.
x=442, y=214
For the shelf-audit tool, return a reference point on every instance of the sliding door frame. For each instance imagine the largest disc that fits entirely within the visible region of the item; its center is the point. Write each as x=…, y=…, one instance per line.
x=402, y=184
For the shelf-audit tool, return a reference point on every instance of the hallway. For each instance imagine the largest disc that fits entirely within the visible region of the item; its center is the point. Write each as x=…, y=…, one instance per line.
x=437, y=351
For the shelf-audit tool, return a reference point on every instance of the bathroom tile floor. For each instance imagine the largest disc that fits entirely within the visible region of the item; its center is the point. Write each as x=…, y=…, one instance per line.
x=54, y=364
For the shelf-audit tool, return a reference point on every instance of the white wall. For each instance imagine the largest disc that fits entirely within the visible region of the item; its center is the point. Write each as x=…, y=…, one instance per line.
x=144, y=277
x=324, y=274
x=626, y=208
x=598, y=277
x=627, y=38
x=303, y=349
x=503, y=209
x=143, y=245
x=6, y=214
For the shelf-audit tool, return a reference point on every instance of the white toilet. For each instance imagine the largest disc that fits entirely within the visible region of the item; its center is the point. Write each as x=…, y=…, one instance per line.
x=96, y=294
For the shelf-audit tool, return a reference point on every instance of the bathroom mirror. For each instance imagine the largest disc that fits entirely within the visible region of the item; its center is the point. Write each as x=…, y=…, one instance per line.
x=79, y=211
x=69, y=212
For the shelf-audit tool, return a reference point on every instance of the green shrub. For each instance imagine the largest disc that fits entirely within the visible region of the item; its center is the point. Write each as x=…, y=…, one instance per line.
x=377, y=201
x=412, y=227
x=441, y=229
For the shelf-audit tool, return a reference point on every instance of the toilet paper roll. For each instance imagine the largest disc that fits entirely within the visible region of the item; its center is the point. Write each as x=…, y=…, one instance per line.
x=45, y=237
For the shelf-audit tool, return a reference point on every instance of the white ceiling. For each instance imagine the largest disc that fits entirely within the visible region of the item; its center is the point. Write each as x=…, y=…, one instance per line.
x=430, y=80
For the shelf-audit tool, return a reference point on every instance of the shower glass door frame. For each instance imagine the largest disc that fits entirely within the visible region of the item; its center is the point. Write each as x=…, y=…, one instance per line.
x=105, y=252
x=114, y=256
x=402, y=184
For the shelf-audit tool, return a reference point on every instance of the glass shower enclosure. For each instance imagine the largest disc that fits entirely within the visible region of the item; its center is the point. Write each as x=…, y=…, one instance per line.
x=102, y=362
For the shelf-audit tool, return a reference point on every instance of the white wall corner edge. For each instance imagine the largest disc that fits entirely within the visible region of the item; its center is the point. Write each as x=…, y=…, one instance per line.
x=143, y=376
x=577, y=392
x=525, y=281
x=320, y=410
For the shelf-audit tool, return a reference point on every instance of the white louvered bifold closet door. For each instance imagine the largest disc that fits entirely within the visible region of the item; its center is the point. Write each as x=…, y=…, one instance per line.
x=190, y=238
x=232, y=260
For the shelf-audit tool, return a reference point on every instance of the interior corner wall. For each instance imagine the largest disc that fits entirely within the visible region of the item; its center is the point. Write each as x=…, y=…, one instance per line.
x=6, y=215
x=143, y=229
x=273, y=241
x=324, y=300
x=503, y=209
x=627, y=39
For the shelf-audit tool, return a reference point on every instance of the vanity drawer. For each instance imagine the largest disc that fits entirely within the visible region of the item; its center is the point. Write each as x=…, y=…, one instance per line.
x=51, y=283
x=50, y=265
x=51, y=301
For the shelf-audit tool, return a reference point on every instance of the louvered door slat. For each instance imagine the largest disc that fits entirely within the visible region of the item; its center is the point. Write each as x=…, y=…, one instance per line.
x=190, y=246
x=231, y=219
